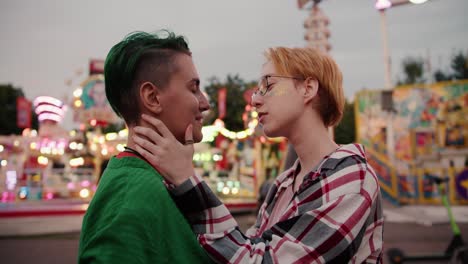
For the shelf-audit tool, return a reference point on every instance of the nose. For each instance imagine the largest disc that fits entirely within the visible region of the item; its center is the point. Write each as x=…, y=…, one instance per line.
x=203, y=103
x=257, y=100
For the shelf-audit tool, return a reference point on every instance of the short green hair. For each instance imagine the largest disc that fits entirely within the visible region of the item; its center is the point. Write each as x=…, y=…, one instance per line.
x=140, y=57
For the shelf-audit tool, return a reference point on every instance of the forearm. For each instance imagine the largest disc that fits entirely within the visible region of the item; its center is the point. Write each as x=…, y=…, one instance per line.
x=309, y=236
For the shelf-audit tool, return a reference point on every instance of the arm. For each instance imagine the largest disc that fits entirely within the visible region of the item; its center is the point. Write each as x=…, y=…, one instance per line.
x=329, y=226
x=331, y=232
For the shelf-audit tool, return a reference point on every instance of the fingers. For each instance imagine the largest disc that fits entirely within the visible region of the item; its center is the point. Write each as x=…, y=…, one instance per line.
x=152, y=159
x=158, y=125
x=147, y=145
x=189, y=135
x=145, y=132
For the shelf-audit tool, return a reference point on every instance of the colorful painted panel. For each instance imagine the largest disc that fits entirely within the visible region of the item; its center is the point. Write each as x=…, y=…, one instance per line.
x=428, y=129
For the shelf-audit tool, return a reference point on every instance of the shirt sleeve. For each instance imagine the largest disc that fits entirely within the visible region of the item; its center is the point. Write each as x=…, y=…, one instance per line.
x=329, y=233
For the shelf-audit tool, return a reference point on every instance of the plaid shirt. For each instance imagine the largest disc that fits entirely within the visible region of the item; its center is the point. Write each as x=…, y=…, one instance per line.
x=334, y=217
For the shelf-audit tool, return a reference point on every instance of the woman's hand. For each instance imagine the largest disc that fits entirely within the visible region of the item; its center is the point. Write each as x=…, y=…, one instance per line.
x=172, y=159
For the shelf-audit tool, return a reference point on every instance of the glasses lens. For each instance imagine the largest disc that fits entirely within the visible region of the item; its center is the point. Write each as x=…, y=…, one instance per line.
x=262, y=85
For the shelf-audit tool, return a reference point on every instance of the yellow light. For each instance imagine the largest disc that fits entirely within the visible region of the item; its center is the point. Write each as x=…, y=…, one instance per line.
x=111, y=136
x=72, y=133
x=76, y=162
x=254, y=114
x=26, y=132
x=235, y=190
x=104, y=152
x=84, y=193
x=33, y=133
x=78, y=103
x=4, y=163
x=219, y=123
x=241, y=135
x=36, y=178
x=217, y=157
x=73, y=145
x=79, y=146
x=226, y=190
x=42, y=160
x=120, y=147
x=78, y=92
x=16, y=143
x=1, y=148
x=33, y=145
x=123, y=133
x=253, y=123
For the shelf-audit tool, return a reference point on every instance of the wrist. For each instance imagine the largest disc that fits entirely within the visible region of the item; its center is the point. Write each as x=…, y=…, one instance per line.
x=183, y=177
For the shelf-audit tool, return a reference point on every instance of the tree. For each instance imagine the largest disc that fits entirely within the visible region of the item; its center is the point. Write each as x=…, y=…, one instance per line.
x=8, y=95
x=459, y=66
x=235, y=102
x=413, y=69
x=440, y=76
x=458, y=71
x=345, y=131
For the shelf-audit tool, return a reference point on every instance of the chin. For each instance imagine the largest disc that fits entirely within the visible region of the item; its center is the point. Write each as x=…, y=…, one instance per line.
x=272, y=132
x=197, y=136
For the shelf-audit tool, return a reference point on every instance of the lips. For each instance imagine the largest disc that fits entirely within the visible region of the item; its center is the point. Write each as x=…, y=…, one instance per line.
x=261, y=116
x=199, y=119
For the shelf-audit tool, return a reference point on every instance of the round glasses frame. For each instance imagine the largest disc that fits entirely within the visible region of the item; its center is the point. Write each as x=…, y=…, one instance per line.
x=263, y=86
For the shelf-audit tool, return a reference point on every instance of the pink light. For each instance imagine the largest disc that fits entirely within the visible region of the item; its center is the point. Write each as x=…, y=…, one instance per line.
x=383, y=4
x=70, y=186
x=48, y=100
x=85, y=184
x=50, y=116
x=49, y=196
x=5, y=197
x=49, y=108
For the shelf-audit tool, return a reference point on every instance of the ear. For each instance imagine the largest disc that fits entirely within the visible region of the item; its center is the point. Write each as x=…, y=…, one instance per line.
x=311, y=87
x=150, y=97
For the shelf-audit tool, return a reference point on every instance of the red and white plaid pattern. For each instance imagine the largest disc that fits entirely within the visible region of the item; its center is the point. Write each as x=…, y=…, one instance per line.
x=334, y=217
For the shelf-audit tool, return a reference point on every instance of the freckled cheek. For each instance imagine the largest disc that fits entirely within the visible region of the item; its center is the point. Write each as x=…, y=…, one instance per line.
x=279, y=89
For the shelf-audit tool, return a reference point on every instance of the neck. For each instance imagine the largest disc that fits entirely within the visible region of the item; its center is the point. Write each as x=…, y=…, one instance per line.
x=311, y=142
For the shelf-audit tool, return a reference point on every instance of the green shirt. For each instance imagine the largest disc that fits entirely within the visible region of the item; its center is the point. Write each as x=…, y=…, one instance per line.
x=133, y=219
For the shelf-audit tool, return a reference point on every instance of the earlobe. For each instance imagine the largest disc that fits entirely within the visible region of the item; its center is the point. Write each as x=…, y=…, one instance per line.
x=311, y=89
x=150, y=97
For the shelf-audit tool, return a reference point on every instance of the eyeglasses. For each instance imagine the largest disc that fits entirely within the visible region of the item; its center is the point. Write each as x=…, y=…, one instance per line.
x=264, y=86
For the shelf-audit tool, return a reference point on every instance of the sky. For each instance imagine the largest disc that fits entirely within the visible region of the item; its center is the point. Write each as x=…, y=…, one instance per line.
x=44, y=42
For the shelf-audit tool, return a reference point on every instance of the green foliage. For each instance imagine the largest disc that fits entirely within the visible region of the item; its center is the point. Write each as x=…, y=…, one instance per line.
x=345, y=132
x=460, y=66
x=235, y=103
x=413, y=70
x=458, y=71
x=440, y=76
x=8, y=95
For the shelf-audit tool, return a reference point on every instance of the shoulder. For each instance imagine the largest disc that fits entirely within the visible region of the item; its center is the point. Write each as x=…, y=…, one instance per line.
x=347, y=171
x=133, y=183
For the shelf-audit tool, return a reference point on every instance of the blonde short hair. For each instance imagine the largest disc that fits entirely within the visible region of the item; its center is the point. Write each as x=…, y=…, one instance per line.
x=312, y=63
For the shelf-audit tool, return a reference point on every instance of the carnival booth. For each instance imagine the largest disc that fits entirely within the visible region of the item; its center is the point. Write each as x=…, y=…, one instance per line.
x=413, y=133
